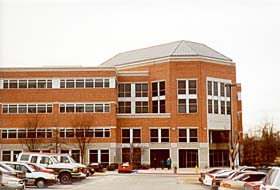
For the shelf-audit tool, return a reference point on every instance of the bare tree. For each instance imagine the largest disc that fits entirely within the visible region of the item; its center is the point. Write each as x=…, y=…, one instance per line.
x=30, y=141
x=83, y=138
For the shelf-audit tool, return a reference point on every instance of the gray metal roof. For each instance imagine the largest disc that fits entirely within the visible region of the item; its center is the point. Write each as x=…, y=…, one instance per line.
x=174, y=49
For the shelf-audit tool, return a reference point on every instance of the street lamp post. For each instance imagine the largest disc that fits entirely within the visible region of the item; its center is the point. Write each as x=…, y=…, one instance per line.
x=230, y=85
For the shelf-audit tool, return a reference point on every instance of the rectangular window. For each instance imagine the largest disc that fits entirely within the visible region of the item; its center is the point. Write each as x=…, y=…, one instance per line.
x=215, y=88
x=154, y=89
x=80, y=108
x=70, y=108
x=107, y=108
x=192, y=86
x=13, y=84
x=182, y=108
x=107, y=132
x=42, y=108
x=31, y=108
x=223, y=111
x=136, y=135
x=210, y=106
x=98, y=133
x=22, y=83
x=70, y=83
x=162, y=106
x=105, y=157
x=98, y=83
x=49, y=83
x=164, y=135
x=49, y=108
x=41, y=133
x=7, y=155
x=141, y=90
x=228, y=108
x=80, y=83
x=62, y=133
x=192, y=106
x=182, y=87
x=228, y=90
x=98, y=107
x=183, y=135
x=22, y=133
x=89, y=132
x=76, y=155
x=31, y=83
x=216, y=107
x=12, y=108
x=12, y=134
x=222, y=89
x=62, y=108
x=62, y=83
x=142, y=107
x=80, y=133
x=106, y=83
x=22, y=109
x=5, y=109
x=209, y=85
x=31, y=133
x=93, y=156
x=193, y=135
x=49, y=133
x=162, y=88
x=155, y=106
x=125, y=135
x=4, y=134
x=42, y=84
x=70, y=133
x=124, y=107
x=154, y=135
x=6, y=84
x=89, y=83
x=90, y=108
x=124, y=90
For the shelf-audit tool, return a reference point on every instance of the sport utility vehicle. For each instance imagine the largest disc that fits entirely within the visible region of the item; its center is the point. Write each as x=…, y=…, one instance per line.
x=66, y=172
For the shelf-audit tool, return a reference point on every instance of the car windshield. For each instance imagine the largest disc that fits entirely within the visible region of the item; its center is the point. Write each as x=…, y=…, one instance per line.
x=72, y=160
x=53, y=158
x=270, y=178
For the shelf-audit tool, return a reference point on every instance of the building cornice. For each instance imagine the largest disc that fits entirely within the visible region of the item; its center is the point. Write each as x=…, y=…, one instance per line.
x=133, y=73
x=54, y=69
x=175, y=59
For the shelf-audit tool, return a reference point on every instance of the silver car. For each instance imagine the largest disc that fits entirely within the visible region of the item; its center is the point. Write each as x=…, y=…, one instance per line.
x=10, y=182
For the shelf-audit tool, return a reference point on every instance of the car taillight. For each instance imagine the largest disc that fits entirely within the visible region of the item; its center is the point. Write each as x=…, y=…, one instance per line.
x=211, y=176
x=226, y=185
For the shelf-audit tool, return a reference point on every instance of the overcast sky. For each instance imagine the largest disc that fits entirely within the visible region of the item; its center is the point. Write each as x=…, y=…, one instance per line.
x=88, y=32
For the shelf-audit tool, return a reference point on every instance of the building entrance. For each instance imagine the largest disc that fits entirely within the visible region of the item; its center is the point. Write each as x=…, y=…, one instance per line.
x=158, y=157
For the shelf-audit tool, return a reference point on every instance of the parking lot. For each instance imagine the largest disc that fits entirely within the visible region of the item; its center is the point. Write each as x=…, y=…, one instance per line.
x=130, y=181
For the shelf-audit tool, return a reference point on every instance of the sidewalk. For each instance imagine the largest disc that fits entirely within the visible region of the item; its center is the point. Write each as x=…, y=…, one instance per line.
x=180, y=171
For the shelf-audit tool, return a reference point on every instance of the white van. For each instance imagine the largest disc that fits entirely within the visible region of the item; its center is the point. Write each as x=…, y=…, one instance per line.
x=66, y=172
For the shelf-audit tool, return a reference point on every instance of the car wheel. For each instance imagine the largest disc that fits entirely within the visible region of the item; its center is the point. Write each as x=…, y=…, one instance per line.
x=40, y=183
x=65, y=178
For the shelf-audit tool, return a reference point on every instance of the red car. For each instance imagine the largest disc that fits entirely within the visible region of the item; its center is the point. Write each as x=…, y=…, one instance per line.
x=125, y=168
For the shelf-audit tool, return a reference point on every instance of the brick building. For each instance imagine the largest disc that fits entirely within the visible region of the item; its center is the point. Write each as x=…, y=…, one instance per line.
x=144, y=106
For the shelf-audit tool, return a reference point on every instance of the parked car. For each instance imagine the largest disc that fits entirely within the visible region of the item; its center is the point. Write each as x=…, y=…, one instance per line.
x=37, y=178
x=66, y=158
x=202, y=175
x=66, y=172
x=272, y=180
x=11, y=171
x=10, y=182
x=217, y=181
x=239, y=181
x=218, y=174
x=98, y=167
x=125, y=168
x=248, y=168
x=252, y=185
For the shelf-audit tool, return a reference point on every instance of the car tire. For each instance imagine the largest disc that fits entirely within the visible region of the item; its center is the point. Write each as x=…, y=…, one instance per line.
x=40, y=183
x=65, y=178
